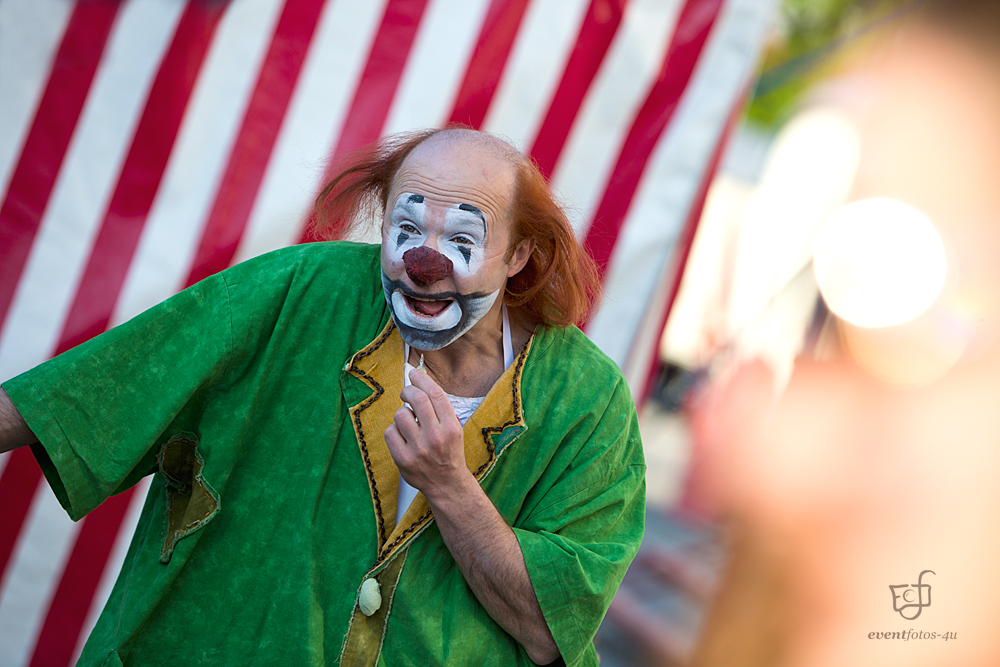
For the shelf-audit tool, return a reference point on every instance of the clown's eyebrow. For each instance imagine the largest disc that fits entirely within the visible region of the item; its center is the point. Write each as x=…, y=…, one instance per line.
x=408, y=206
x=475, y=211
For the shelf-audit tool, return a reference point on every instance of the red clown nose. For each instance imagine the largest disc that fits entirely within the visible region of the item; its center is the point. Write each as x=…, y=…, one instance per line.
x=426, y=266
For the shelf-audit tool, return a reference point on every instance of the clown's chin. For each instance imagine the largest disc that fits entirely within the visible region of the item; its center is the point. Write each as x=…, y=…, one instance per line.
x=427, y=341
x=431, y=324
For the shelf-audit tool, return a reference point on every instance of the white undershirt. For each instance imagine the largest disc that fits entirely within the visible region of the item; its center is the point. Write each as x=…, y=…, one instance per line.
x=464, y=406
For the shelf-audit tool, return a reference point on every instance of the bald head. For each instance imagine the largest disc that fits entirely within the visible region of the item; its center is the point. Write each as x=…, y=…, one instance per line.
x=502, y=149
x=457, y=163
x=469, y=158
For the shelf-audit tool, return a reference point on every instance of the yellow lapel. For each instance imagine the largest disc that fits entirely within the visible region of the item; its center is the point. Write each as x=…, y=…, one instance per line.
x=380, y=366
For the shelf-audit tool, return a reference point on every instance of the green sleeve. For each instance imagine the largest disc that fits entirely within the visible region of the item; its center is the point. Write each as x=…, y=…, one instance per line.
x=580, y=540
x=101, y=409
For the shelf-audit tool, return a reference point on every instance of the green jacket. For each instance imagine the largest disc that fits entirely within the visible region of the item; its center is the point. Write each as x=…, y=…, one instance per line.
x=259, y=397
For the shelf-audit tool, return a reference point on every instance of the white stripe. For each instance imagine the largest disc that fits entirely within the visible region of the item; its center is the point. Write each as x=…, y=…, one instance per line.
x=115, y=560
x=30, y=34
x=728, y=64
x=644, y=252
x=33, y=573
x=211, y=124
x=312, y=124
x=436, y=65
x=658, y=211
x=535, y=66
x=646, y=335
x=85, y=183
x=628, y=72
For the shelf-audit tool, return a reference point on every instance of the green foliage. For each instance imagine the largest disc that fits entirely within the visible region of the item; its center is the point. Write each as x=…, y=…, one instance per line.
x=798, y=56
x=811, y=23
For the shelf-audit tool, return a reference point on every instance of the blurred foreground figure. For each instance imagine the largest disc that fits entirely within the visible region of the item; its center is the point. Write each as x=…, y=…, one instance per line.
x=878, y=467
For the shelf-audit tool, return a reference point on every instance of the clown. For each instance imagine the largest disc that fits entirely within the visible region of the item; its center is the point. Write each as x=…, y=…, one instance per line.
x=444, y=259
x=362, y=454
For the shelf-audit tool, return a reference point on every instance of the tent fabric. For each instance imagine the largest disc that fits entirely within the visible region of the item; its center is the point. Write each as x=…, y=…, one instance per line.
x=147, y=144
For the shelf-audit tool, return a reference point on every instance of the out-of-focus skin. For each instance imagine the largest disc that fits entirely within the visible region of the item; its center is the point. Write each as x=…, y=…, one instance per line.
x=14, y=432
x=872, y=468
x=847, y=486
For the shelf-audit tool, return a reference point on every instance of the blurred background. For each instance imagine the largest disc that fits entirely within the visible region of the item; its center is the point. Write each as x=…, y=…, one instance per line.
x=823, y=424
x=792, y=203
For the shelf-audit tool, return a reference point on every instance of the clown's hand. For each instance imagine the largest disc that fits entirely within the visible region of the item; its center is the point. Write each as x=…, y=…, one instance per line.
x=425, y=440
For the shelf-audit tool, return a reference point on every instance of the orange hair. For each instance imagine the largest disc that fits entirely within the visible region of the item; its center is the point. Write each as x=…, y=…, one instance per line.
x=359, y=188
x=558, y=286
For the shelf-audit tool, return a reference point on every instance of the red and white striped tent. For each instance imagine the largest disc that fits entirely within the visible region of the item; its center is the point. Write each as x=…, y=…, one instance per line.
x=147, y=144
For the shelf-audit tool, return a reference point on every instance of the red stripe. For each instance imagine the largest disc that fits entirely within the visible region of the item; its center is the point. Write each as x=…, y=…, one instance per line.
x=99, y=289
x=248, y=160
x=596, y=33
x=45, y=146
x=384, y=67
x=377, y=86
x=686, y=239
x=693, y=27
x=18, y=482
x=141, y=173
x=488, y=60
x=70, y=605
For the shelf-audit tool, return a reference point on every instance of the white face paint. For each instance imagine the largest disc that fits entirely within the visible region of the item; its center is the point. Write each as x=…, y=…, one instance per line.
x=430, y=321
x=433, y=332
x=462, y=237
x=447, y=214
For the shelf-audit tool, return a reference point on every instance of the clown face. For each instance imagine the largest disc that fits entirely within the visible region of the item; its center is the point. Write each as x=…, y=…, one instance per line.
x=444, y=237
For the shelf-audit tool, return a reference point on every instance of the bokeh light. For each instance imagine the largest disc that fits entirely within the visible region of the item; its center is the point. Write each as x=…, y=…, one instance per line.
x=879, y=262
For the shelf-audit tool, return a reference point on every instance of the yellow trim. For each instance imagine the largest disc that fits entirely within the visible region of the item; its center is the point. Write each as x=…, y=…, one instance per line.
x=365, y=634
x=499, y=410
x=380, y=366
